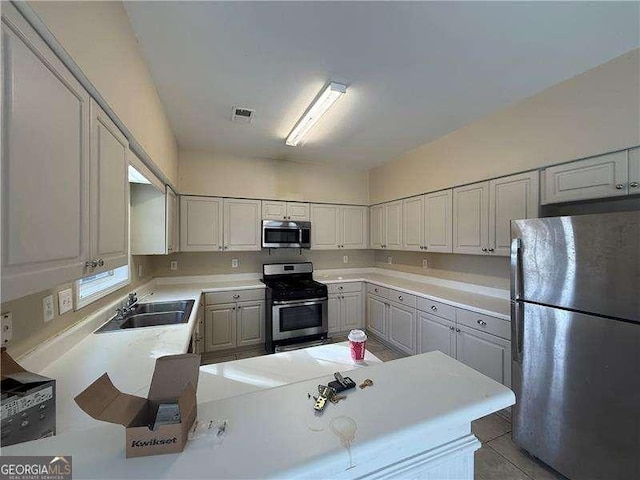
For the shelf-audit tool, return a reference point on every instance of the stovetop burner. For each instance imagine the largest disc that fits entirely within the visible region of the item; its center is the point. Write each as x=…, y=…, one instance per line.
x=292, y=282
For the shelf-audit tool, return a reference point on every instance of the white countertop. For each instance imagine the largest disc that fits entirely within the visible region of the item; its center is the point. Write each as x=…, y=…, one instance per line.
x=416, y=402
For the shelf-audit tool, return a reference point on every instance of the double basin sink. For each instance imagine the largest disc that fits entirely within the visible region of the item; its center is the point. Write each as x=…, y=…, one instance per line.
x=150, y=315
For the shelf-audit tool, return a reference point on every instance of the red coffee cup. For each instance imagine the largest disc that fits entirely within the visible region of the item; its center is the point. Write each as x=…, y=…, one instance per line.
x=357, y=345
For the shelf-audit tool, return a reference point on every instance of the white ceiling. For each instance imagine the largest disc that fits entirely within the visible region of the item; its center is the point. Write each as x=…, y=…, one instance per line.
x=415, y=71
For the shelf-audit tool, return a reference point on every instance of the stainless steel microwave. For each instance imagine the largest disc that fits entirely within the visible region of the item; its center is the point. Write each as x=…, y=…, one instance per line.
x=286, y=234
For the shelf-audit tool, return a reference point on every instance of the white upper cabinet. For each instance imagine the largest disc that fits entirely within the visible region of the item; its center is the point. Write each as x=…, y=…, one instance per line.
x=393, y=225
x=482, y=212
x=510, y=198
x=438, y=221
x=354, y=227
x=172, y=232
x=470, y=218
x=376, y=226
x=325, y=226
x=294, y=211
x=45, y=164
x=200, y=224
x=598, y=177
x=242, y=224
x=339, y=227
x=413, y=223
x=109, y=193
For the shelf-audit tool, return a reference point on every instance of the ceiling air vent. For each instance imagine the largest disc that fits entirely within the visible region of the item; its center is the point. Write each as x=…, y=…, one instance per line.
x=242, y=115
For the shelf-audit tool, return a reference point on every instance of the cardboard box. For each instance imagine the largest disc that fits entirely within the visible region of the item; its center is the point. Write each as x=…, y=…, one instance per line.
x=175, y=380
x=28, y=403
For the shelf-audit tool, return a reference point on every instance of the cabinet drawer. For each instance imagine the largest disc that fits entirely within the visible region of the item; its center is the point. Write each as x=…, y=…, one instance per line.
x=376, y=290
x=234, y=296
x=402, y=298
x=436, y=308
x=344, y=287
x=485, y=323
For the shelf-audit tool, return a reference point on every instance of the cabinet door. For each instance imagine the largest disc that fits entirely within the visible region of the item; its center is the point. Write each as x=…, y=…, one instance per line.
x=220, y=327
x=435, y=333
x=351, y=311
x=197, y=337
x=393, y=225
x=297, y=211
x=274, y=210
x=634, y=171
x=354, y=227
x=242, y=224
x=200, y=224
x=148, y=211
x=376, y=226
x=334, y=313
x=377, y=316
x=45, y=164
x=470, y=222
x=510, y=198
x=109, y=192
x=485, y=353
x=325, y=220
x=172, y=221
x=412, y=223
x=438, y=225
x=250, y=322
x=599, y=177
x=402, y=327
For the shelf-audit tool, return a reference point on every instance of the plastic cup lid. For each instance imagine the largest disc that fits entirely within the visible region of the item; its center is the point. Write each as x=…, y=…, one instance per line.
x=357, y=336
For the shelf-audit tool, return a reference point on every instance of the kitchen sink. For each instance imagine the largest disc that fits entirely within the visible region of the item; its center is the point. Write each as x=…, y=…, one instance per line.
x=150, y=315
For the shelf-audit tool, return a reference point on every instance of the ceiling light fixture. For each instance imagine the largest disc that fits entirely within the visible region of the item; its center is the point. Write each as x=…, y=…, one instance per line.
x=321, y=104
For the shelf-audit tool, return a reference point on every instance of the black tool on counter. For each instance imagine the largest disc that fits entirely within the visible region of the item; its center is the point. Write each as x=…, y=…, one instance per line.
x=341, y=383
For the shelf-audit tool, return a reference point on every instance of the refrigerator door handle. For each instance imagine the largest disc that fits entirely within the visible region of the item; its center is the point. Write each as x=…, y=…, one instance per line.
x=517, y=326
x=516, y=269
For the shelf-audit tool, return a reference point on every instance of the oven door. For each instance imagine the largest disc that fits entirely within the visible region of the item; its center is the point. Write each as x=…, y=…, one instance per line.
x=299, y=318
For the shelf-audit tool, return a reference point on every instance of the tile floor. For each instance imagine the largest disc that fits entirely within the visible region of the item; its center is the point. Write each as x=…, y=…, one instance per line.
x=498, y=458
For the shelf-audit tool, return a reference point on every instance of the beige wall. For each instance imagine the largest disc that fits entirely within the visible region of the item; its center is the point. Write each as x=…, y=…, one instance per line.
x=99, y=38
x=476, y=269
x=204, y=173
x=216, y=263
x=29, y=329
x=592, y=113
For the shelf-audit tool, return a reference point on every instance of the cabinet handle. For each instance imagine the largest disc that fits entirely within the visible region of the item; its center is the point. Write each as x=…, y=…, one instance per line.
x=451, y=328
x=491, y=249
x=236, y=296
x=421, y=247
x=239, y=307
x=484, y=249
x=400, y=297
x=233, y=308
x=434, y=308
x=339, y=288
x=619, y=186
x=101, y=263
x=375, y=290
x=482, y=322
x=91, y=264
x=220, y=248
x=458, y=330
x=634, y=184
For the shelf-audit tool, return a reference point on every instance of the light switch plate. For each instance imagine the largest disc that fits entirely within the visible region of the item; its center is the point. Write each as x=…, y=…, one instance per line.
x=345, y=259
x=47, y=308
x=389, y=260
x=65, y=301
x=6, y=330
x=425, y=263
x=234, y=263
x=173, y=265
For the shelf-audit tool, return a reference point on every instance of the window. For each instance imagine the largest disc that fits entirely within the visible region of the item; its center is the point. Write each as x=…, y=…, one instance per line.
x=90, y=289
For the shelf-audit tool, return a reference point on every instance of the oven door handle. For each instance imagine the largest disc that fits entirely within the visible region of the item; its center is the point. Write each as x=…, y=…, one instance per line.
x=311, y=301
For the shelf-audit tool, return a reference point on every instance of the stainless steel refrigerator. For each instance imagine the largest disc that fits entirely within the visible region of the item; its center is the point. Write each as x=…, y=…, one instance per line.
x=575, y=319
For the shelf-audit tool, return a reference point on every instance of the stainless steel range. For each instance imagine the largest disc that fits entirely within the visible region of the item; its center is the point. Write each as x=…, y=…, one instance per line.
x=297, y=306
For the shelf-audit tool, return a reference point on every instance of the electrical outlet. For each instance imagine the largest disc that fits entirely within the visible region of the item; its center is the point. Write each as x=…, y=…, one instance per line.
x=425, y=263
x=345, y=259
x=47, y=308
x=139, y=270
x=6, y=329
x=65, y=301
x=389, y=260
x=234, y=263
x=173, y=265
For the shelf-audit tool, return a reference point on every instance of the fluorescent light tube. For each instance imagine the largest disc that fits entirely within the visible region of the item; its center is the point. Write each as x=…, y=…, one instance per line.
x=323, y=102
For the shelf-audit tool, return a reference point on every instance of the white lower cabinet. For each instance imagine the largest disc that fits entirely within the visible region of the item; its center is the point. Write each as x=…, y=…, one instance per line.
x=376, y=316
x=345, y=311
x=402, y=327
x=234, y=324
x=489, y=354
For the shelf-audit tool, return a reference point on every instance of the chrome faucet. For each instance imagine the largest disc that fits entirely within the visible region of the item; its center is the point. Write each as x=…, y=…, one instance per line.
x=132, y=300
